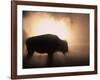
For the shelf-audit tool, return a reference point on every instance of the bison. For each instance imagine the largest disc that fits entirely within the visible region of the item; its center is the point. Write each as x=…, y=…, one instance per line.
x=47, y=43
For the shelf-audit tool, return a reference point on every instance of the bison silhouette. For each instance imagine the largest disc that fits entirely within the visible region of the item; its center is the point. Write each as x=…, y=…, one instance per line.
x=47, y=43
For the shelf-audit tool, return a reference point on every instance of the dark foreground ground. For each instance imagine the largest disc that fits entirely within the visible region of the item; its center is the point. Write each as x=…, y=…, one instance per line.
x=72, y=58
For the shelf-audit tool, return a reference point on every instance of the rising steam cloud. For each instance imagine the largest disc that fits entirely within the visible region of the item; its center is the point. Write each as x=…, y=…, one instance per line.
x=38, y=23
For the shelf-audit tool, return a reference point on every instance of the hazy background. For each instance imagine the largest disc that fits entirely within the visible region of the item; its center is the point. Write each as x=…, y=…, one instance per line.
x=77, y=36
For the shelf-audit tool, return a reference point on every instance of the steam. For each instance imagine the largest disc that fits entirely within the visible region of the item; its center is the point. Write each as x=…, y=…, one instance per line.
x=38, y=23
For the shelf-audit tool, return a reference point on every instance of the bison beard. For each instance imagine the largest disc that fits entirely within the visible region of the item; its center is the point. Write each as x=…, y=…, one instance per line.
x=47, y=43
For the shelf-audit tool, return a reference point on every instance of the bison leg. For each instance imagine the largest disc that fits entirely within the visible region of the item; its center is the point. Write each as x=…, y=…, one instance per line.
x=30, y=54
x=50, y=59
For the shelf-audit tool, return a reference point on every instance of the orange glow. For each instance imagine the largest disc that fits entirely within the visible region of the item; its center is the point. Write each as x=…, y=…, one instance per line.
x=50, y=26
x=44, y=23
